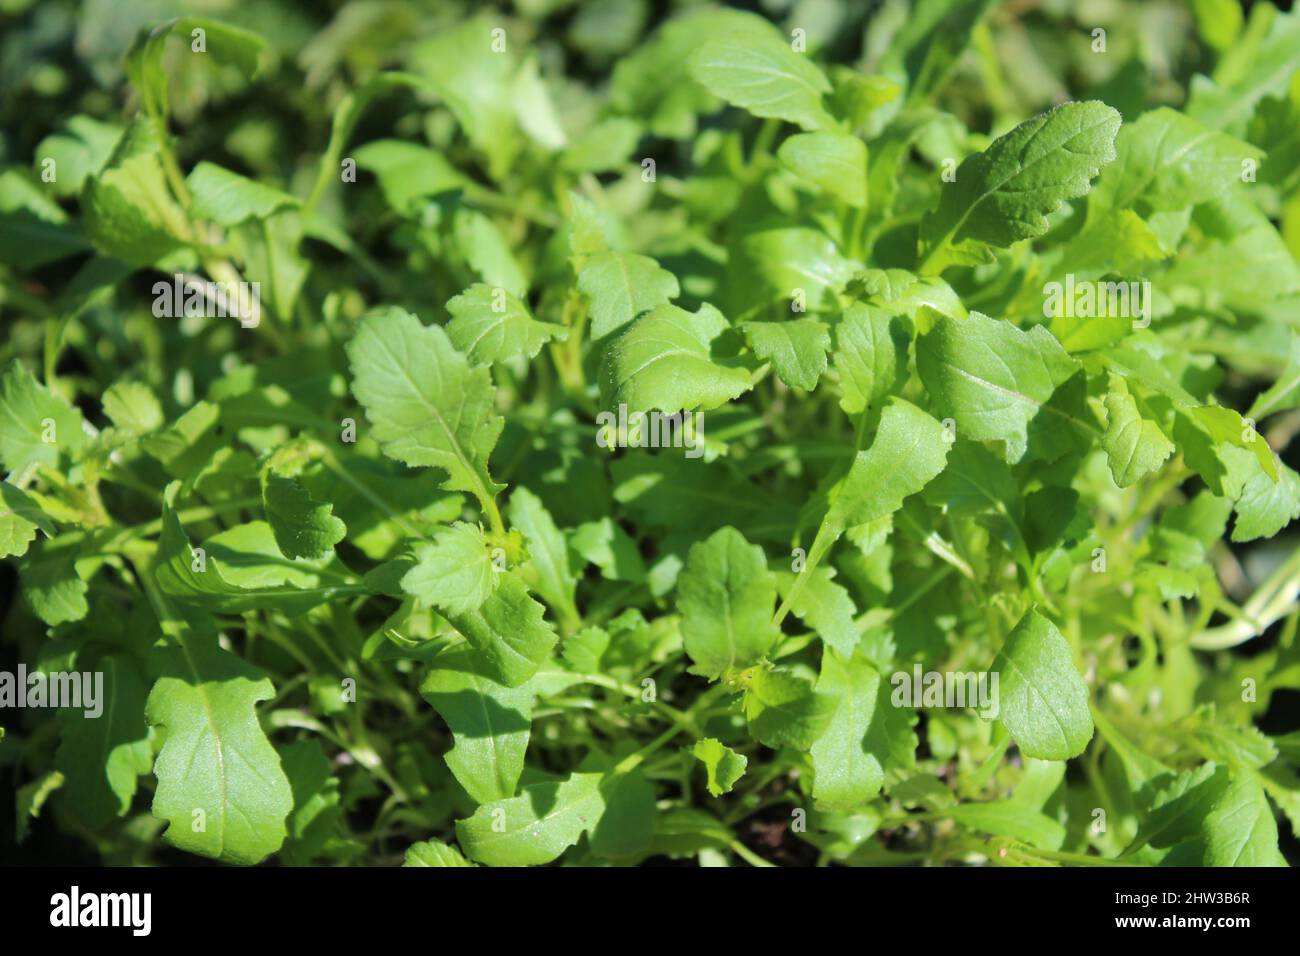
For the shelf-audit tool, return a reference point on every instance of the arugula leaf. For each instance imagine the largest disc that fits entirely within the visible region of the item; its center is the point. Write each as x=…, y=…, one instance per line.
x=508, y=630
x=621, y=286
x=229, y=199
x=992, y=378
x=762, y=74
x=847, y=762
x=221, y=788
x=35, y=424
x=783, y=709
x=726, y=596
x=102, y=756
x=547, y=569
x=490, y=325
x=1005, y=193
x=536, y=826
x=1135, y=446
x=1043, y=701
x=454, y=572
x=426, y=405
x=489, y=721
x=909, y=450
x=20, y=517
x=303, y=527
x=796, y=349
x=662, y=361
x=833, y=162
x=226, y=43
x=722, y=764
x=870, y=355
x=434, y=853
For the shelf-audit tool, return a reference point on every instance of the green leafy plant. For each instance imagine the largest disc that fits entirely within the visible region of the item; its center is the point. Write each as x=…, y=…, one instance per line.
x=465, y=438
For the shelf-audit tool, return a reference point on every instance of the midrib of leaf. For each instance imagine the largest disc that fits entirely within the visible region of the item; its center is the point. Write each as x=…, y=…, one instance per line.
x=481, y=699
x=1039, y=406
x=491, y=326
x=673, y=350
x=1030, y=685
x=770, y=71
x=1245, y=806
x=726, y=609
x=200, y=689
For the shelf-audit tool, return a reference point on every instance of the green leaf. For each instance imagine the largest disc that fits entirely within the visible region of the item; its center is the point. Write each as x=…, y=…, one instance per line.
x=409, y=174
x=129, y=210
x=1241, y=830
x=784, y=710
x=1264, y=66
x=1178, y=806
x=20, y=517
x=347, y=115
x=54, y=588
x=221, y=788
x=1283, y=394
x=34, y=229
x=770, y=266
x=486, y=252
x=454, y=572
x=426, y=405
x=1005, y=193
x=509, y=631
x=762, y=74
x=909, y=450
x=825, y=606
x=490, y=325
x=30, y=799
x=228, y=199
x=303, y=527
x=722, y=764
x=133, y=407
x=1266, y=506
x=79, y=150
x=315, y=826
x=796, y=348
x=663, y=362
x=225, y=43
x=35, y=424
x=870, y=355
x=992, y=378
x=1043, y=701
x=489, y=722
x=605, y=544
x=621, y=286
x=536, y=826
x=477, y=83
x=1010, y=819
x=547, y=570
x=102, y=755
x=848, y=758
x=433, y=853
x=1169, y=161
x=240, y=569
x=833, y=162
x=726, y=597
x=1135, y=446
